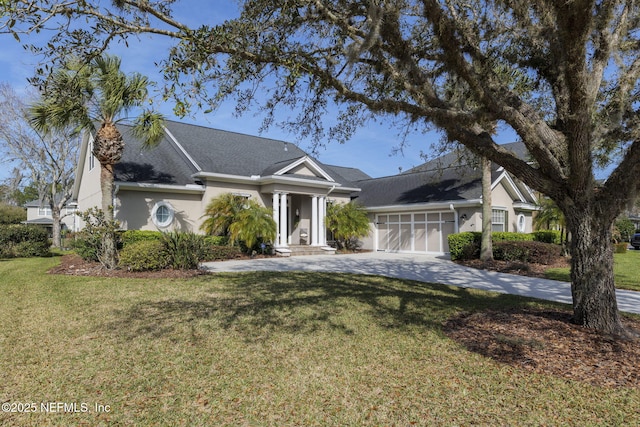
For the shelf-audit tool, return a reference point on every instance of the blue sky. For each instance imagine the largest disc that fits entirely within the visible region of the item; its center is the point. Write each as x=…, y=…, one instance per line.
x=371, y=149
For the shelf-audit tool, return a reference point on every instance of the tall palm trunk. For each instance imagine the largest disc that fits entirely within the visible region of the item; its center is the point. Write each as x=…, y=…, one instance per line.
x=108, y=149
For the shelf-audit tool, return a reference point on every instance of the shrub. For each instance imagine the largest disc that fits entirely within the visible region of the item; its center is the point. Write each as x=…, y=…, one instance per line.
x=12, y=214
x=216, y=240
x=620, y=248
x=219, y=253
x=547, y=236
x=144, y=255
x=184, y=250
x=464, y=245
x=86, y=246
x=23, y=241
x=526, y=251
x=504, y=236
x=99, y=240
x=624, y=229
x=132, y=236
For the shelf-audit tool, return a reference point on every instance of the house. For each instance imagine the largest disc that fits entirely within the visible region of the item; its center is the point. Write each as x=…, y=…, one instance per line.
x=169, y=187
x=39, y=214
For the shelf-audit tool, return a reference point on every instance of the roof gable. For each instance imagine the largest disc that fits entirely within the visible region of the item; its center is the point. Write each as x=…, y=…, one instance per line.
x=304, y=166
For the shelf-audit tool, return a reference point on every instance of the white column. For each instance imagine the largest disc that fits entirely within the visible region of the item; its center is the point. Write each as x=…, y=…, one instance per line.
x=275, y=202
x=314, y=221
x=284, y=228
x=322, y=212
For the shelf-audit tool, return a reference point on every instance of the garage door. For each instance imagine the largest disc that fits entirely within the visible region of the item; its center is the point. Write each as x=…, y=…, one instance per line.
x=415, y=232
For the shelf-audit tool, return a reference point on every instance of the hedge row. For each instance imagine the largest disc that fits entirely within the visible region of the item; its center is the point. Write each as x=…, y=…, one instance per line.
x=467, y=245
x=153, y=250
x=23, y=241
x=539, y=252
x=133, y=236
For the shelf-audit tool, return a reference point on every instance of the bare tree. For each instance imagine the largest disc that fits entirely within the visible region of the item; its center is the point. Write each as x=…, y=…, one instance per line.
x=47, y=160
x=396, y=59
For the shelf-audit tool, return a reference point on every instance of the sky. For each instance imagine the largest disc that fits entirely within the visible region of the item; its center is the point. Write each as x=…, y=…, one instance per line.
x=371, y=149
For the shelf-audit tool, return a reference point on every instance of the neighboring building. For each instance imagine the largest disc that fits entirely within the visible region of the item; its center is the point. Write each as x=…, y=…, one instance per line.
x=168, y=188
x=40, y=215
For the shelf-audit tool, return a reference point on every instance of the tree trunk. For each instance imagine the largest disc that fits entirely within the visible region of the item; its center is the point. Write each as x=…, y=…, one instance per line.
x=592, y=281
x=109, y=252
x=56, y=234
x=486, y=245
x=106, y=186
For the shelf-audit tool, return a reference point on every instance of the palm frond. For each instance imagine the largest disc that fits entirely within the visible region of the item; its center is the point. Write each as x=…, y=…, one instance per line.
x=149, y=128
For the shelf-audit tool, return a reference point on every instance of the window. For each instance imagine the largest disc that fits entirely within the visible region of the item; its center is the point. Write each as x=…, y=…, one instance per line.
x=92, y=158
x=44, y=211
x=498, y=220
x=521, y=223
x=162, y=214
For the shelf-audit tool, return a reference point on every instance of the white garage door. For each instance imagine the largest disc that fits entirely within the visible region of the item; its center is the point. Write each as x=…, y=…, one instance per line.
x=415, y=232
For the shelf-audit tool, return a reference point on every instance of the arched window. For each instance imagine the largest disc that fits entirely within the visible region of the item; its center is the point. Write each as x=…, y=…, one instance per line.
x=522, y=224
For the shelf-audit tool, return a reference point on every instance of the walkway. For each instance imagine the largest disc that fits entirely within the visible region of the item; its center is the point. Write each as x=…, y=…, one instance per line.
x=423, y=268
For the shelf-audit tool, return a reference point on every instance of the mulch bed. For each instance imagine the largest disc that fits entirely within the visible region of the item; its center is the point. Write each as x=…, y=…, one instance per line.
x=523, y=269
x=547, y=342
x=72, y=264
x=541, y=341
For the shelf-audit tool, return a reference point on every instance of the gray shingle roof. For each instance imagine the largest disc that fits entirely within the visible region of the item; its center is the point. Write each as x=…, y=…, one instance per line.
x=463, y=157
x=213, y=151
x=232, y=153
x=352, y=175
x=163, y=164
x=446, y=185
x=452, y=177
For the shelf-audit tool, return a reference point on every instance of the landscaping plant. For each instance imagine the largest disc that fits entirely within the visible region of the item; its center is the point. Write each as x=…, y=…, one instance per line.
x=348, y=222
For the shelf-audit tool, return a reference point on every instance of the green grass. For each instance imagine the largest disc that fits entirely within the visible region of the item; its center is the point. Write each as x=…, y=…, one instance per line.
x=267, y=349
x=625, y=270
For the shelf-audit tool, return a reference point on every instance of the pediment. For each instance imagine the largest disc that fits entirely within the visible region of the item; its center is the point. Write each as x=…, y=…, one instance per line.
x=304, y=166
x=518, y=191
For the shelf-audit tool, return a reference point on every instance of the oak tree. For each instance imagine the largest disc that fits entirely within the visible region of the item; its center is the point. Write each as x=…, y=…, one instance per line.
x=397, y=59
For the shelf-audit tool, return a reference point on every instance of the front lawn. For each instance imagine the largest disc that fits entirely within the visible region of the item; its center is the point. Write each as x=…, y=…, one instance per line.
x=272, y=349
x=625, y=269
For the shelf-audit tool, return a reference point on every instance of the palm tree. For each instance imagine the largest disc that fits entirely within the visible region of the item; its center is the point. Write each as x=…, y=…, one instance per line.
x=252, y=224
x=348, y=222
x=221, y=212
x=94, y=98
x=551, y=217
x=239, y=219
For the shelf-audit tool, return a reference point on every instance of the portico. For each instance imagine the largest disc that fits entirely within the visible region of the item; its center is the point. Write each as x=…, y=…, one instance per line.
x=300, y=218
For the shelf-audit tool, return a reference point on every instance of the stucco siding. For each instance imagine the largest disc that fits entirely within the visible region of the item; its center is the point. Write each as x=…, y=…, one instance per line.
x=134, y=209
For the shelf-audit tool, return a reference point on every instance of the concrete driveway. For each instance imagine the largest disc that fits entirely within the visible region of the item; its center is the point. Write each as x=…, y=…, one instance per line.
x=423, y=268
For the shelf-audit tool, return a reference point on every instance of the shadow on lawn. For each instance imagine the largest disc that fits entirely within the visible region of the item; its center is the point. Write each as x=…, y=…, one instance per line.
x=260, y=304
